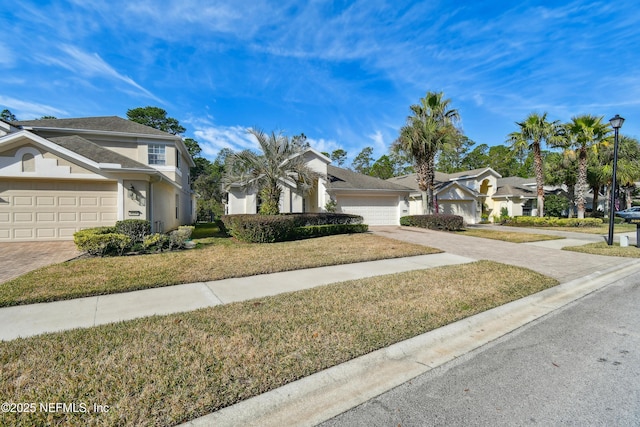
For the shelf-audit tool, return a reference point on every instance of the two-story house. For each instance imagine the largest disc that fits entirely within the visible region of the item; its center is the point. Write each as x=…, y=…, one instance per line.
x=58, y=176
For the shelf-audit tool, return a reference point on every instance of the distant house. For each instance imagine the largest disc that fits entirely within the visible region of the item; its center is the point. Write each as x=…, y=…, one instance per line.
x=378, y=201
x=469, y=194
x=58, y=176
x=461, y=193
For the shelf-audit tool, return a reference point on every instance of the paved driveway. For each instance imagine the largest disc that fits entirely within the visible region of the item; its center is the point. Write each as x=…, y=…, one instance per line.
x=559, y=264
x=18, y=258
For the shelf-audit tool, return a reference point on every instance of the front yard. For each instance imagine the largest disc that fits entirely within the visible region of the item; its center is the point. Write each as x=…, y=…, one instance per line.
x=215, y=258
x=165, y=370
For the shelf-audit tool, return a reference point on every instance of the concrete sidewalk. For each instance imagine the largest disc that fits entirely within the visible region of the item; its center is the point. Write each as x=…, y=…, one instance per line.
x=34, y=319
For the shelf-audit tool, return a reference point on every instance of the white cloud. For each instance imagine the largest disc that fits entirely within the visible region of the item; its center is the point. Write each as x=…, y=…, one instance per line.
x=378, y=142
x=213, y=138
x=91, y=65
x=24, y=110
x=6, y=55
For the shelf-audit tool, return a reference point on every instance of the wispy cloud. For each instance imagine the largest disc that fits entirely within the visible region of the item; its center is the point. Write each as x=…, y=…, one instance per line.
x=90, y=65
x=25, y=110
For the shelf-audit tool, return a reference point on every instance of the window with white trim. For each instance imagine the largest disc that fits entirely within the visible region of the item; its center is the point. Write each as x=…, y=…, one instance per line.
x=157, y=154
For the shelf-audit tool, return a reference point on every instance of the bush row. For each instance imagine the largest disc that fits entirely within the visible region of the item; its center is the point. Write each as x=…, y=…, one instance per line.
x=434, y=222
x=127, y=236
x=534, y=221
x=278, y=228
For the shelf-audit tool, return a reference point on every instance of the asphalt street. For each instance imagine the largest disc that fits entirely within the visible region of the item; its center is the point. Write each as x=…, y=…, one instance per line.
x=579, y=366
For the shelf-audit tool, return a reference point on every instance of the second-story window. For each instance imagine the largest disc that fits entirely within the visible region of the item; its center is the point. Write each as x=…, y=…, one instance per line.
x=157, y=154
x=178, y=156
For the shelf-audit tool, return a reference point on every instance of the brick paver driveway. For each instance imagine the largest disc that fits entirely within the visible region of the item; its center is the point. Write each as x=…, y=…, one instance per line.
x=18, y=258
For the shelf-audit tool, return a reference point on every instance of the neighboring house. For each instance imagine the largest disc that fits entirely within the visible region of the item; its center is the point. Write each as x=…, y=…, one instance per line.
x=470, y=194
x=58, y=176
x=378, y=201
x=461, y=193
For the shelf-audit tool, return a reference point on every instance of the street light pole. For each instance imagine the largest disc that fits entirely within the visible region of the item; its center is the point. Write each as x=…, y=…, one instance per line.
x=616, y=124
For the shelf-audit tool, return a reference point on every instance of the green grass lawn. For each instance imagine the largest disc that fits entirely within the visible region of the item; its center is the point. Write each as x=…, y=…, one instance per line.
x=215, y=258
x=601, y=248
x=165, y=370
x=601, y=229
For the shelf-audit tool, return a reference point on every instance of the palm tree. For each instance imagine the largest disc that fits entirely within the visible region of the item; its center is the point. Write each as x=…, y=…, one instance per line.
x=428, y=129
x=584, y=133
x=281, y=163
x=535, y=130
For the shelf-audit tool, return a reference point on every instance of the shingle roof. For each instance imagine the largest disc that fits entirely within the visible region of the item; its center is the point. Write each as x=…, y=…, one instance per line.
x=96, y=153
x=344, y=179
x=106, y=124
x=510, y=190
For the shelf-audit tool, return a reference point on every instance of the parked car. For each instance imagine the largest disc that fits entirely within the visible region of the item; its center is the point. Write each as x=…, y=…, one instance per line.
x=631, y=213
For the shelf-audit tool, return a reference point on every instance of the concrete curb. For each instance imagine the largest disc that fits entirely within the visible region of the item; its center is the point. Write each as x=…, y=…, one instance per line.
x=323, y=395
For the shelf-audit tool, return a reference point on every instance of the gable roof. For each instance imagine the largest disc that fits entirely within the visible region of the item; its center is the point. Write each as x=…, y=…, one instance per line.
x=97, y=153
x=104, y=124
x=513, y=191
x=344, y=179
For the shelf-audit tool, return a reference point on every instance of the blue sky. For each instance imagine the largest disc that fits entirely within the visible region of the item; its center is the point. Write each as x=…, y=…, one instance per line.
x=342, y=72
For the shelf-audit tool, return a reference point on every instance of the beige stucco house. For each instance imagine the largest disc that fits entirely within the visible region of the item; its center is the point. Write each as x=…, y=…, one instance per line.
x=378, y=201
x=58, y=176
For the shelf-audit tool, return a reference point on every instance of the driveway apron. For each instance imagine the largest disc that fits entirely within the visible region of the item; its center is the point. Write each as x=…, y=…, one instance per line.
x=559, y=264
x=19, y=258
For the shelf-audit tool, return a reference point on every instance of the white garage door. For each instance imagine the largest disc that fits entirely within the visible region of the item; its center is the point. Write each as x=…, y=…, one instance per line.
x=464, y=208
x=54, y=210
x=374, y=210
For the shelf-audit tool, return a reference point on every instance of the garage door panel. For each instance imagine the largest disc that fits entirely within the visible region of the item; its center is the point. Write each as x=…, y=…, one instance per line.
x=67, y=201
x=23, y=200
x=45, y=216
x=54, y=210
x=45, y=201
x=374, y=210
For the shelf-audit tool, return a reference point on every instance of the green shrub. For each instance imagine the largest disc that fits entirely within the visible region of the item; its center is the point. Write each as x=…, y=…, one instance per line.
x=434, y=222
x=555, y=205
x=278, y=228
x=178, y=238
x=102, y=241
x=534, y=221
x=156, y=242
x=136, y=229
x=311, y=231
x=260, y=228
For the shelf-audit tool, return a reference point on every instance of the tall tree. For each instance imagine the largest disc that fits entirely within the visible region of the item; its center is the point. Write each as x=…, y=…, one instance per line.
x=476, y=158
x=562, y=169
x=339, y=156
x=155, y=117
x=628, y=171
x=7, y=116
x=451, y=157
x=534, y=131
x=281, y=161
x=584, y=133
x=382, y=168
x=431, y=126
x=363, y=161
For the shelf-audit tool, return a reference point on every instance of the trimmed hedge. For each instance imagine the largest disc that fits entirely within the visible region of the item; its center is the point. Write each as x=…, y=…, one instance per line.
x=277, y=228
x=434, y=222
x=101, y=241
x=136, y=229
x=329, y=230
x=534, y=221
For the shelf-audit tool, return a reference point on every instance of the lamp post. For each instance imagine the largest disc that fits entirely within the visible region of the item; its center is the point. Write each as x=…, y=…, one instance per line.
x=616, y=124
